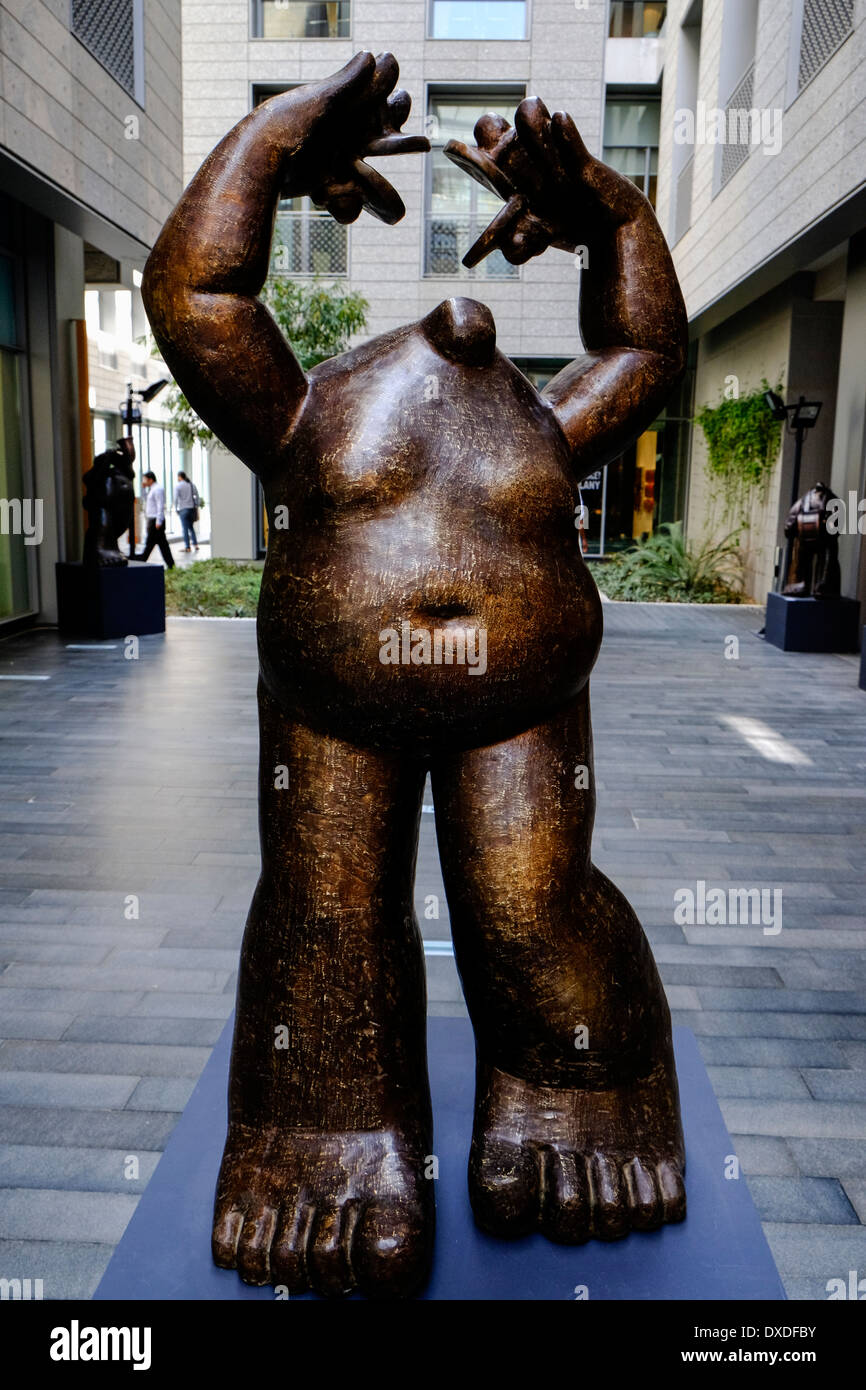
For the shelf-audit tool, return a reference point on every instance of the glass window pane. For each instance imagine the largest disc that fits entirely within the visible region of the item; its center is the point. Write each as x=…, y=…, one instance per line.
x=636, y=19
x=479, y=19
x=298, y=19
x=8, y=329
x=20, y=518
x=631, y=123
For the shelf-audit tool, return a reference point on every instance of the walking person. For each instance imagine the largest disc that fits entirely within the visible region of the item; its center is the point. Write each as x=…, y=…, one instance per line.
x=154, y=511
x=187, y=502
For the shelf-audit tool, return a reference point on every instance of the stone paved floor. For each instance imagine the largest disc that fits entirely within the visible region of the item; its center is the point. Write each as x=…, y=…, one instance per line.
x=128, y=854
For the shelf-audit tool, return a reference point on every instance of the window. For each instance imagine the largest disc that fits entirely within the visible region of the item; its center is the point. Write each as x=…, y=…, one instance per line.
x=631, y=141
x=300, y=19
x=307, y=240
x=636, y=19
x=477, y=19
x=826, y=25
x=736, y=86
x=458, y=208
x=111, y=30
x=683, y=154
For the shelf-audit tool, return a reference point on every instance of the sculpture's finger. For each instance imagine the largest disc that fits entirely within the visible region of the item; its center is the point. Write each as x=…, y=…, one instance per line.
x=532, y=123
x=385, y=77
x=345, y=207
x=527, y=238
x=489, y=130
x=399, y=105
x=495, y=233
x=379, y=196
x=398, y=144
x=341, y=197
x=480, y=166
x=566, y=137
x=346, y=86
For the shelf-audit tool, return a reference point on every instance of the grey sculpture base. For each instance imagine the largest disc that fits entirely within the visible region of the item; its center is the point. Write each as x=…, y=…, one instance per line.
x=110, y=600
x=719, y=1251
x=813, y=624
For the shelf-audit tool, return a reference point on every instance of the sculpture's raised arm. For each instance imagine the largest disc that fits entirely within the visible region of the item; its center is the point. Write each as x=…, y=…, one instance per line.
x=632, y=317
x=208, y=266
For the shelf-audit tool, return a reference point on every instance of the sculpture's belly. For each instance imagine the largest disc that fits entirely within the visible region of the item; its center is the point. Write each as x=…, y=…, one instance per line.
x=424, y=624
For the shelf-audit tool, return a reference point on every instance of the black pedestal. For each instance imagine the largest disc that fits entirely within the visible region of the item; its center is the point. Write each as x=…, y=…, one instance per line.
x=111, y=601
x=719, y=1251
x=813, y=624
x=863, y=662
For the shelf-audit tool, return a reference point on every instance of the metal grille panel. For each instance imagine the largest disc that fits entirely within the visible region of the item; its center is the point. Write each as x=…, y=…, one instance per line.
x=736, y=152
x=310, y=243
x=107, y=30
x=826, y=24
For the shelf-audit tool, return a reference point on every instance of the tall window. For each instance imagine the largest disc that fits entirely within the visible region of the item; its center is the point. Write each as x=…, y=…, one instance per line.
x=636, y=19
x=477, y=19
x=683, y=154
x=111, y=30
x=307, y=240
x=631, y=141
x=300, y=19
x=458, y=208
x=736, y=86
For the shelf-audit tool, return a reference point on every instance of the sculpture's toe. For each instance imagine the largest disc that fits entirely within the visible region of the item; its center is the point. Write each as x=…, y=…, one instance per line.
x=290, y=1245
x=254, y=1246
x=227, y=1226
x=644, y=1197
x=565, y=1209
x=504, y=1187
x=392, y=1248
x=673, y=1190
x=611, y=1215
x=328, y=1257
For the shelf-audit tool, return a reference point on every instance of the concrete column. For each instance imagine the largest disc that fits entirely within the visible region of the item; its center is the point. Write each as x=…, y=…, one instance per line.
x=232, y=502
x=849, y=466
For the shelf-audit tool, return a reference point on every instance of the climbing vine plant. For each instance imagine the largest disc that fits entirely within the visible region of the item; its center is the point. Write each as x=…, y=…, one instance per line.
x=742, y=444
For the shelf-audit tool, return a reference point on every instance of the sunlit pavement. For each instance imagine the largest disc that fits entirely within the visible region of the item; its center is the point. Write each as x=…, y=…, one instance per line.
x=129, y=854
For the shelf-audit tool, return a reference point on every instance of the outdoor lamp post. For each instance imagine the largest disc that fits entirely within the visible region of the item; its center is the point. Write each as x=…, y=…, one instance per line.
x=801, y=416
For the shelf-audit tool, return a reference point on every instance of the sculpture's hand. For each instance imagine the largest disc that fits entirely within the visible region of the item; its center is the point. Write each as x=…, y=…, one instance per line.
x=355, y=113
x=555, y=192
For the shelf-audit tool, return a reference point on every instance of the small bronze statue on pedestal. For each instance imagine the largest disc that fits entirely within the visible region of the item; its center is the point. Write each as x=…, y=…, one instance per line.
x=109, y=500
x=425, y=525
x=814, y=571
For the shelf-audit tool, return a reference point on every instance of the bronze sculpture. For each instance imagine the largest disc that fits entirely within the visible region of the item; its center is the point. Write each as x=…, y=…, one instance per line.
x=109, y=500
x=418, y=521
x=814, y=570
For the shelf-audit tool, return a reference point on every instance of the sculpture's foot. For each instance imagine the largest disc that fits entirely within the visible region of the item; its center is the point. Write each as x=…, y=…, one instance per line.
x=576, y=1164
x=331, y=1212
x=109, y=557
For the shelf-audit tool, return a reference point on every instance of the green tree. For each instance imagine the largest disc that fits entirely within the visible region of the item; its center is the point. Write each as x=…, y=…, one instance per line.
x=318, y=321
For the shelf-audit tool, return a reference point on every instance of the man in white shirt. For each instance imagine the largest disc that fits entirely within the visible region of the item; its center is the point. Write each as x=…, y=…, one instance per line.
x=154, y=511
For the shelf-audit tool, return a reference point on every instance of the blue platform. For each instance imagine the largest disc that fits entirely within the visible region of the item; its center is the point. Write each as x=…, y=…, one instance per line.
x=719, y=1251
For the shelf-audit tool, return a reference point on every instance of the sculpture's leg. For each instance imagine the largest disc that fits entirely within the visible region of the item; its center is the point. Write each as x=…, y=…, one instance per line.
x=323, y=1178
x=577, y=1125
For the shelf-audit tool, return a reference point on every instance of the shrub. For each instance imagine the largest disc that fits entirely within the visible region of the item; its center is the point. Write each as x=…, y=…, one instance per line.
x=213, y=589
x=665, y=567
